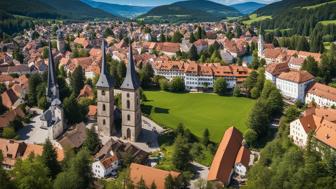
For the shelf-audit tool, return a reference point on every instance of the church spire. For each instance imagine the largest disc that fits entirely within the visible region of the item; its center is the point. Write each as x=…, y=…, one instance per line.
x=52, y=90
x=131, y=80
x=105, y=80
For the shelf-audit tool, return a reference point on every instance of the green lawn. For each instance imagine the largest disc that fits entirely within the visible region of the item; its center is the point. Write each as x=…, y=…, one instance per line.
x=328, y=22
x=255, y=18
x=198, y=111
x=319, y=5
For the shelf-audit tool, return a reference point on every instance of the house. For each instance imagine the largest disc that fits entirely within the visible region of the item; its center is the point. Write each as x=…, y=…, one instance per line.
x=9, y=98
x=226, y=56
x=231, y=157
x=13, y=150
x=92, y=114
x=82, y=41
x=295, y=63
x=322, y=95
x=86, y=92
x=168, y=48
x=321, y=123
x=74, y=137
x=201, y=45
x=120, y=149
x=294, y=84
x=150, y=175
x=10, y=116
x=104, y=167
x=274, y=70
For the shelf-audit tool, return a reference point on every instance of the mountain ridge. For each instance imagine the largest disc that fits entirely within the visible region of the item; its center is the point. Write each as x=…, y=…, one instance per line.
x=192, y=11
x=248, y=7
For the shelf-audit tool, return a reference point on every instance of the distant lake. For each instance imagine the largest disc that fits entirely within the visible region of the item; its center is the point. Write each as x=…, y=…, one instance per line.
x=247, y=58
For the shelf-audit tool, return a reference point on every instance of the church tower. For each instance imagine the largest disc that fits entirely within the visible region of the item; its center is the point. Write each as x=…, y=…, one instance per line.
x=130, y=97
x=260, y=45
x=52, y=89
x=60, y=41
x=105, y=99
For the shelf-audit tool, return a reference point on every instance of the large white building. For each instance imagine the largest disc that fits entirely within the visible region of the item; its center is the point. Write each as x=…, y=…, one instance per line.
x=322, y=95
x=198, y=76
x=320, y=122
x=294, y=84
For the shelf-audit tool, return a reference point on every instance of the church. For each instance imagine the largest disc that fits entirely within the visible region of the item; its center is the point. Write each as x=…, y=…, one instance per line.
x=130, y=98
x=53, y=118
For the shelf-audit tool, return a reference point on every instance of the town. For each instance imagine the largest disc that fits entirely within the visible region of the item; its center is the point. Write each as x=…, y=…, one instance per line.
x=129, y=104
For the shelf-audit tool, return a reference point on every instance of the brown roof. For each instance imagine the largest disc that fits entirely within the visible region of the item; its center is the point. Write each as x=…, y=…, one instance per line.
x=9, y=98
x=243, y=156
x=37, y=150
x=150, y=175
x=9, y=116
x=107, y=162
x=326, y=133
x=168, y=47
x=74, y=137
x=277, y=69
x=323, y=91
x=11, y=150
x=82, y=41
x=296, y=76
x=225, y=156
x=87, y=92
x=92, y=111
x=272, y=53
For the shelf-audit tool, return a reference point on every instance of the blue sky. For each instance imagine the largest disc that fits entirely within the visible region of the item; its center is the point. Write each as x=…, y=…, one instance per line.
x=162, y=2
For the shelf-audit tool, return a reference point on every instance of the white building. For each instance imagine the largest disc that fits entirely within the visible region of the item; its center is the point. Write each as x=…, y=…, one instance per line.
x=294, y=84
x=274, y=70
x=300, y=128
x=105, y=167
x=322, y=95
x=242, y=161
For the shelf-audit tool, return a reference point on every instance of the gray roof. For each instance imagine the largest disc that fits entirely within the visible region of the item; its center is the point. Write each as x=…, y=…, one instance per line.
x=131, y=80
x=52, y=90
x=105, y=79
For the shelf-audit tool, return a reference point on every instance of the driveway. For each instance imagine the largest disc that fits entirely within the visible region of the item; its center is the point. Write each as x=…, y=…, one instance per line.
x=202, y=174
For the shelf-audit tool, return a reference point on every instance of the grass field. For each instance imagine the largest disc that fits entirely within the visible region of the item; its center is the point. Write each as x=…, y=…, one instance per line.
x=255, y=18
x=327, y=22
x=319, y=5
x=198, y=111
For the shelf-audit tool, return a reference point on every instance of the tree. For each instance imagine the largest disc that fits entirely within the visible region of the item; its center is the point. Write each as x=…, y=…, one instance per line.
x=193, y=53
x=42, y=103
x=177, y=85
x=153, y=186
x=78, y=174
x=31, y=173
x=251, y=80
x=292, y=113
x=92, y=141
x=146, y=75
x=236, y=91
x=45, y=53
x=8, y=132
x=310, y=65
x=77, y=80
x=181, y=154
x=169, y=182
x=259, y=119
x=5, y=181
x=192, y=38
x=141, y=184
x=164, y=84
x=206, y=137
x=177, y=37
x=49, y=159
x=73, y=111
x=250, y=137
x=220, y=86
x=34, y=81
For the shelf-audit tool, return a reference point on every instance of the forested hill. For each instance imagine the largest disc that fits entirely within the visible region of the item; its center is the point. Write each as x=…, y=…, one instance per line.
x=192, y=11
x=300, y=16
x=65, y=9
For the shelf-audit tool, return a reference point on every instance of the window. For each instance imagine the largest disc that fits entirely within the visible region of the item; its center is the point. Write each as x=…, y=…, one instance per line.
x=128, y=95
x=103, y=93
x=128, y=104
x=128, y=117
x=104, y=122
x=104, y=107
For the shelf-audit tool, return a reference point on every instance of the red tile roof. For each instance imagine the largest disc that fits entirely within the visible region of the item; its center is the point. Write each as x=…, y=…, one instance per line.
x=150, y=175
x=296, y=76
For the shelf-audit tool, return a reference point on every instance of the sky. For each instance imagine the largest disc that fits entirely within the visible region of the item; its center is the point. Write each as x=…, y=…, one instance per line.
x=163, y=2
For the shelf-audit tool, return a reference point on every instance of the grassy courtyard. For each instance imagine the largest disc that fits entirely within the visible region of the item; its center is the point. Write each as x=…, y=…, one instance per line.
x=198, y=111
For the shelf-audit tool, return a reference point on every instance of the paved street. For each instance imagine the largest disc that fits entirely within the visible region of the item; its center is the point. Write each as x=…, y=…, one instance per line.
x=32, y=133
x=202, y=173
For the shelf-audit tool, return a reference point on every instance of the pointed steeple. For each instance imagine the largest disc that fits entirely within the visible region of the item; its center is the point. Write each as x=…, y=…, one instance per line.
x=131, y=80
x=105, y=79
x=52, y=90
